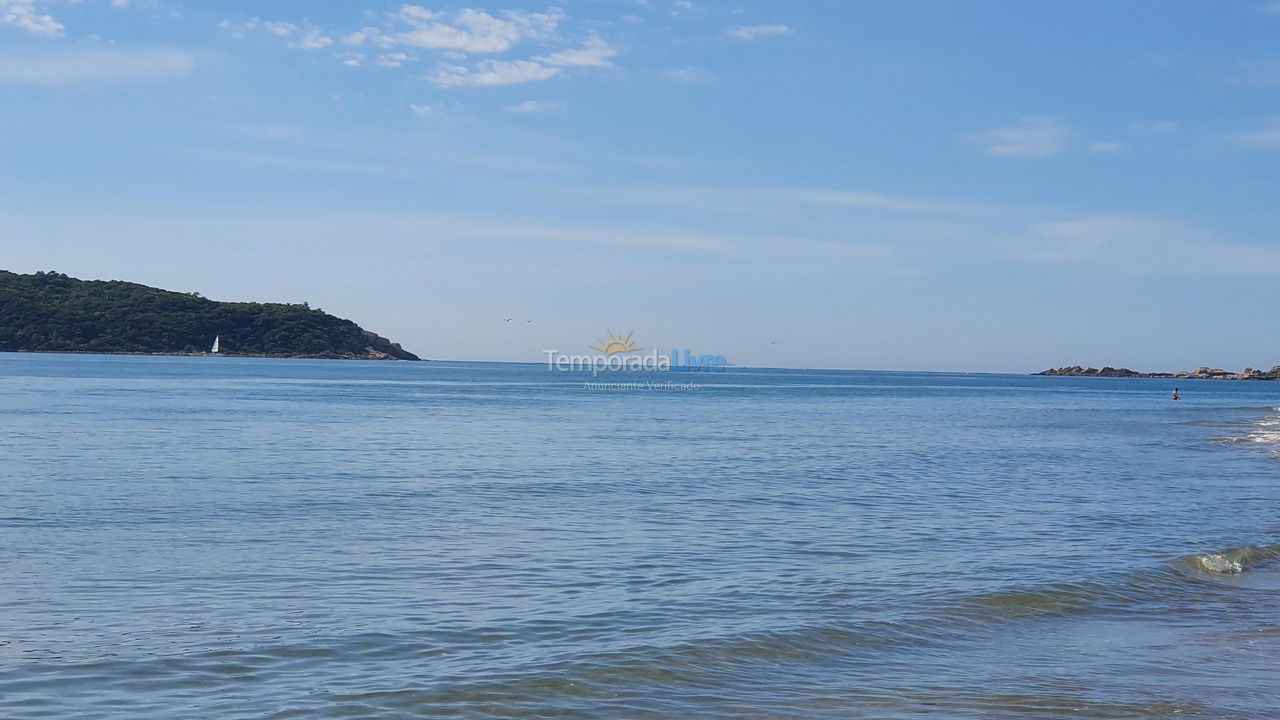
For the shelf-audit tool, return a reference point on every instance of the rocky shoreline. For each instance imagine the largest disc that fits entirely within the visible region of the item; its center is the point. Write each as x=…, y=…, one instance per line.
x=1200, y=373
x=381, y=348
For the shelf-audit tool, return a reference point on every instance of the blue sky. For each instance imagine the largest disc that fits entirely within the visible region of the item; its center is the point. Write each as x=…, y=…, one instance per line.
x=994, y=186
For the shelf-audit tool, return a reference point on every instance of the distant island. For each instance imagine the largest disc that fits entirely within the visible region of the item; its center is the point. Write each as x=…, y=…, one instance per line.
x=51, y=312
x=1201, y=373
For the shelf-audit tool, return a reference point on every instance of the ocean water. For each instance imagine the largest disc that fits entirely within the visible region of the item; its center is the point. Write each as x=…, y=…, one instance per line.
x=238, y=538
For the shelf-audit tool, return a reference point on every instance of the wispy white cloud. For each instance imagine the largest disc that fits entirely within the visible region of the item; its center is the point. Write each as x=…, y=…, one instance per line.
x=1088, y=239
x=238, y=30
x=323, y=153
x=490, y=73
x=421, y=110
x=1154, y=126
x=639, y=237
x=368, y=34
x=595, y=52
x=1273, y=8
x=1259, y=72
x=751, y=32
x=535, y=106
x=274, y=133
x=305, y=163
x=307, y=37
x=1146, y=246
x=1267, y=138
x=690, y=75
x=1033, y=137
x=1107, y=147
x=862, y=200
x=23, y=15
x=921, y=229
x=279, y=28
x=832, y=213
x=350, y=59
x=395, y=59
x=66, y=68
x=470, y=30
x=313, y=40
x=401, y=35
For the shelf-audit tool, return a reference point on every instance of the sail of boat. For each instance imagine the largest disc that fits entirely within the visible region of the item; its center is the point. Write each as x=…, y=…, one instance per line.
x=217, y=344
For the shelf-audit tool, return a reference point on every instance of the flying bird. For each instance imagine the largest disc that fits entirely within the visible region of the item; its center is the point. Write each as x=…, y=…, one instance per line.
x=507, y=319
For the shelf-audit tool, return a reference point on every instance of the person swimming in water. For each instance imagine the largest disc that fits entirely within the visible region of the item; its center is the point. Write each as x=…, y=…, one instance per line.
x=1175, y=394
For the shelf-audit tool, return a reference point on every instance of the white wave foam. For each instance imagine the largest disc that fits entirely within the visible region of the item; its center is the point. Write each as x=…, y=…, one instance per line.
x=1217, y=563
x=1234, y=560
x=1266, y=431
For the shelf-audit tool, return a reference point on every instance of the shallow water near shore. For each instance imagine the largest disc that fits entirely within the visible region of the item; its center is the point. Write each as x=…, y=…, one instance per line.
x=242, y=538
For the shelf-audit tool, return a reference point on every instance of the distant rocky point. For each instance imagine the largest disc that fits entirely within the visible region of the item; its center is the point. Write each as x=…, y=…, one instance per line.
x=1200, y=373
x=51, y=312
x=381, y=348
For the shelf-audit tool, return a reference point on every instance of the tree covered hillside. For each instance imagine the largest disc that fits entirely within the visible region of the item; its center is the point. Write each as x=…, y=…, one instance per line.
x=53, y=312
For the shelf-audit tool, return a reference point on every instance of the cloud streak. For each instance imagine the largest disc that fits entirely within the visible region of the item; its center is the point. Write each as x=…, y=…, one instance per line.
x=690, y=75
x=1146, y=246
x=1033, y=137
x=300, y=38
x=81, y=66
x=595, y=52
x=753, y=32
x=1107, y=147
x=492, y=73
x=529, y=107
x=1268, y=138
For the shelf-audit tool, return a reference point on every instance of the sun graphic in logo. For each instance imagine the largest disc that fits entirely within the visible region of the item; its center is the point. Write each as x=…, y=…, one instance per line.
x=612, y=345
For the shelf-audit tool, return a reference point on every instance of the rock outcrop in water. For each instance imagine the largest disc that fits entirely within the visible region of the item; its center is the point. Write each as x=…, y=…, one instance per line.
x=51, y=312
x=1200, y=373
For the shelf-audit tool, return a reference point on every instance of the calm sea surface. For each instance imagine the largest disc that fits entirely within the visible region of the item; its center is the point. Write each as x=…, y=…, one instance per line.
x=236, y=538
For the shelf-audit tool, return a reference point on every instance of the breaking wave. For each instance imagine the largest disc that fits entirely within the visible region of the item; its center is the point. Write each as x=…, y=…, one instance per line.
x=1265, y=431
x=1183, y=579
x=1232, y=561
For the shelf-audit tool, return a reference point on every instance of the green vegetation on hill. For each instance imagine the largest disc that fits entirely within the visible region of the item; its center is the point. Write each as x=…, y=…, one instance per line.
x=55, y=313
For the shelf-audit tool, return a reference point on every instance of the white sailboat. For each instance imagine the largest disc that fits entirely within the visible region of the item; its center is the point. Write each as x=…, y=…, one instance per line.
x=217, y=345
